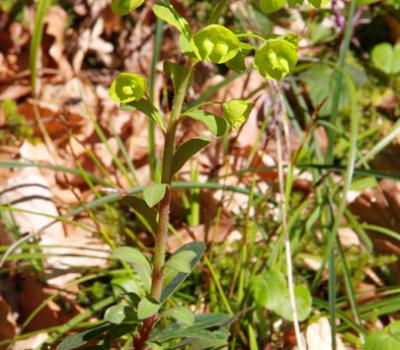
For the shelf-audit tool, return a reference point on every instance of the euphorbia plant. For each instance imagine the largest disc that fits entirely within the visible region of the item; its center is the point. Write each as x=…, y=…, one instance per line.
x=143, y=291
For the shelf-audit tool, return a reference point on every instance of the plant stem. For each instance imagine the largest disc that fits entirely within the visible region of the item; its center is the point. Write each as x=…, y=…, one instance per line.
x=164, y=207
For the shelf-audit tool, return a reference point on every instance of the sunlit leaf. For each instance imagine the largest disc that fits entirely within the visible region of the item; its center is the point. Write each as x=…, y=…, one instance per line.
x=269, y=6
x=181, y=314
x=181, y=261
x=319, y=3
x=153, y=194
x=215, y=124
x=124, y=7
x=386, y=58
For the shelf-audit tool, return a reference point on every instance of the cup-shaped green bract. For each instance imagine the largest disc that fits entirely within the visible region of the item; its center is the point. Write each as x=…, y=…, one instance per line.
x=276, y=58
x=215, y=44
x=124, y=7
x=236, y=112
x=269, y=6
x=127, y=87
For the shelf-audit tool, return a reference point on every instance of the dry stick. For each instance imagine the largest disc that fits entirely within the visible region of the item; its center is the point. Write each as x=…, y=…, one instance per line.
x=164, y=207
x=288, y=249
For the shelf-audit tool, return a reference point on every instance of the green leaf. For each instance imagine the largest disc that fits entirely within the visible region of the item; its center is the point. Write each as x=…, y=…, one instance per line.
x=124, y=7
x=77, y=340
x=199, y=330
x=216, y=44
x=138, y=260
x=270, y=291
x=186, y=151
x=165, y=11
x=146, y=107
x=176, y=72
x=215, y=124
x=172, y=283
x=269, y=6
x=236, y=112
x=181, y=314
x=380, y=340
x=127, y=87
x=147, y=308
x=186, y=46
x=116, y=313
x=386, y=58
x=125, y=284
x=146, y=214
x=181, y=261
x=276, y=58
x=238, y=63
x=153, y=194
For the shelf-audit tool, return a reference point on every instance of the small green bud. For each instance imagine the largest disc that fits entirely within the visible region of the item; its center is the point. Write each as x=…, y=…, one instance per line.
x=236, y=112
x=215, y=44
x=276, y=58
x=124, y=7
x=127, y=87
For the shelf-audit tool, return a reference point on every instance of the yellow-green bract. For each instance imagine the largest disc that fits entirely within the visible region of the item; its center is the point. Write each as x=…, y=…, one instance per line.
x=215, y=44
x=276, y=58
x=237, y=111
x=269, y=6
x=319, y=3
x=124, y=7
x=127, y=87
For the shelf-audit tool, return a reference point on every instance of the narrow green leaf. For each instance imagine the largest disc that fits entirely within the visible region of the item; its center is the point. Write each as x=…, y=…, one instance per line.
x=176, y=72
x=165, y=11
x=146, y=107
x=215, y=124
x=170, y=285
x=186, y=151
x=153, y=194
x=181, y=261
x=143, y=211
x=147, y=308
x=77, y=340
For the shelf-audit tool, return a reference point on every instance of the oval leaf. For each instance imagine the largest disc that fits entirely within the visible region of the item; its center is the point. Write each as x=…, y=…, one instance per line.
x=216, y=44
x=386, y=58
x=146, y=214
x=276, y=58
x=124, y=7
x=127, y=87
x=236, y=112
x=146, y=107
x=147, y=308
x=181, y=261
x=187, y=150
x=115, y=314
x=153, y=193
x=215, y=124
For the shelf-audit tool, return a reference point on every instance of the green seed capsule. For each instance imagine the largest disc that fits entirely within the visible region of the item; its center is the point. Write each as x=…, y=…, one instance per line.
x=276, y=58
x=236, y=112
x=215, y=44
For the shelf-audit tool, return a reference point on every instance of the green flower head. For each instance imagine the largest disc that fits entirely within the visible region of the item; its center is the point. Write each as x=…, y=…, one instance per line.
x=276, y=58
x=124, y=7
x=236, y=112
x=215, y=44
x=127, y=87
